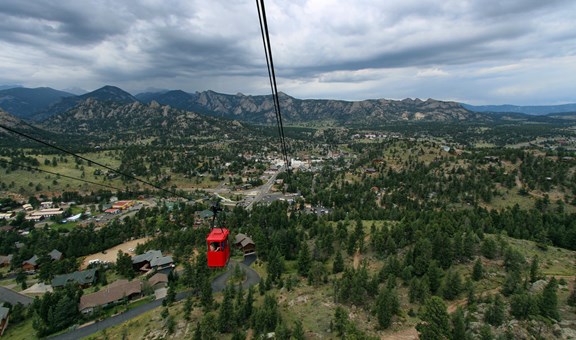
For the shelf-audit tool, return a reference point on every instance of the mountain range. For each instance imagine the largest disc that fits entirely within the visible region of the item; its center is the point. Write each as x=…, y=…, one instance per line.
x=40, y=104
x=537, y=110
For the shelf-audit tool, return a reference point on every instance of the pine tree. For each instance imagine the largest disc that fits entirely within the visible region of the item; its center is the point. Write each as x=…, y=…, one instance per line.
x=436, y=322
x=206, y=298
x=340, y=320
x=549, y=301
x=188, y=304
x=225, y=316
x=534, y=269
x=338, y=265
x=298, y=332
x=434, y=274
x=458, y=325
x=452, y=285
x=304, y=260
x=197, y=332
x=477, y=270
x=387, y=306
x=496, y=312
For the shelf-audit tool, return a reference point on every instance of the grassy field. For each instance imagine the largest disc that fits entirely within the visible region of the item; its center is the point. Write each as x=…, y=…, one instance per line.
x=21, y=331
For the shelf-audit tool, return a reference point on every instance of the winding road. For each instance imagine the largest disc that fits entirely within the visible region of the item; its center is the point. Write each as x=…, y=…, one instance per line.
x=218, y=284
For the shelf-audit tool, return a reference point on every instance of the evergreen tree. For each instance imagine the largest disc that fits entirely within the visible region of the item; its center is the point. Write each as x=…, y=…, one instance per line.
x=458, y=325
x=434, y=274
x=477, y=270
x=208, y=329
x=206, y=298
x=225, y=316
x=534, y=269
x=304, y=260
x=340, y=320
x=496, y=312
x=275, y=266
x=549, y=301
x=387, y=306
x=489, y=248
x=338, y=265
x=282, y=332
x=124, y=265
x=452, y=285
x=512, y=283
x=436, y=321
x=247, y=306
x=523, y=305
x=188, y=304
x=298, y=332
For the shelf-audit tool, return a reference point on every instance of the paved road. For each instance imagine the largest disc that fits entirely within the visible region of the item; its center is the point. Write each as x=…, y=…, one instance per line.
x=252, y=277
x=264, y=189
x=218, y=284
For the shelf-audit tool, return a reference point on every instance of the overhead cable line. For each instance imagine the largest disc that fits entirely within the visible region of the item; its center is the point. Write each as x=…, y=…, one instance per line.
x=89, y=160
x=61, y=175
x=272, y=76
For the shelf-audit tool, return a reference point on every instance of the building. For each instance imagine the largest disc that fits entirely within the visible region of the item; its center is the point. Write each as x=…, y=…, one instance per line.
x=122, y=205
x=158, y=280
x=84, y=279
x=5, y=260
x=46, y=205
x=30, y=265
x=45, y=213
x=55, y=255
x=152, y=260
x=7, y=215
x=245, y=243
x=3, y=319
x=110, y=295
x=203, y=217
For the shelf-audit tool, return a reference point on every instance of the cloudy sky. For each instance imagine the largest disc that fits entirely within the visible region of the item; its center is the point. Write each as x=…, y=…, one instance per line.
x=476, y=51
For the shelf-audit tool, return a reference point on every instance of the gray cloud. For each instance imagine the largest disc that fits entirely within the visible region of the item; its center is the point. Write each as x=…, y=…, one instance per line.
x=471, y=50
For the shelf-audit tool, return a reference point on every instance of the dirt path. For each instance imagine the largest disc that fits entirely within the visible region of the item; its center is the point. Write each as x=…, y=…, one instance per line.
x=405, y=334
x=357, y=258
x=110, y=254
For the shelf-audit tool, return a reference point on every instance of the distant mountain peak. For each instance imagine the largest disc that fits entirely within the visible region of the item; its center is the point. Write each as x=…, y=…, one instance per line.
x=110, y=93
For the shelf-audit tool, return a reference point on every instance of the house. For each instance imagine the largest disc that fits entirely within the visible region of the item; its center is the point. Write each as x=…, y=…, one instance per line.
x=7, y=215
x=27, y=207
x=152, y=260
x=112, y=211
x=45, y=213
x=202, y=217
x=55, y=255
x=122, y=205
x=3, y=319
x=46, y=205
x=112, y=294
x=5, y=260
x=83, y=278
x=158, y=280
x=6, y=228
x=30, y=265
x=245, y=243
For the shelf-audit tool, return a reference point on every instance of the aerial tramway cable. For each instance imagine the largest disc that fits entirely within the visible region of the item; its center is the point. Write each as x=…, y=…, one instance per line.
x=27, y=167
x=272, y=76
x=89, y=160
